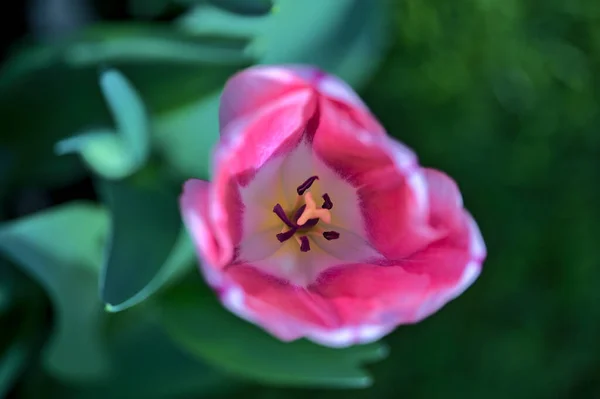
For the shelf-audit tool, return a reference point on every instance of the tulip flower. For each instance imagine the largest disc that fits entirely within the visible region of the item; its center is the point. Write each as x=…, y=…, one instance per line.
x=316, y=223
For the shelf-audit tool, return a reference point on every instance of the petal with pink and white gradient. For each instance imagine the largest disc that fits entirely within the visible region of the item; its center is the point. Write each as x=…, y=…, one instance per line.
x=250, y=90
x=272, y=299
x=194, y=204
x=390, y=184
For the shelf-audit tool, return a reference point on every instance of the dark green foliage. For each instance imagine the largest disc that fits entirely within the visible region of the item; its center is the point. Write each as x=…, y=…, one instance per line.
x=500, y=94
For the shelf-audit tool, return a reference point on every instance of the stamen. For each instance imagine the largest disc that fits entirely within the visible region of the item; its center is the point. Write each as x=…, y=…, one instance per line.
x=306, y=185
x=306, y=217
x=278, y=210
x=311, y=211
x=305, y=245
x=327, y=204
x=286, y=235
x=309, y=222
x=331, y=235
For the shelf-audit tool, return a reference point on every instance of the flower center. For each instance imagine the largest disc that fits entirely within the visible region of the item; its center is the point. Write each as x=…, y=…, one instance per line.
x=302, y=220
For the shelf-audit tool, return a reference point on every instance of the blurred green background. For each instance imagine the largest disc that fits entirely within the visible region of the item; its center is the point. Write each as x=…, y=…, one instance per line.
x=107, y=106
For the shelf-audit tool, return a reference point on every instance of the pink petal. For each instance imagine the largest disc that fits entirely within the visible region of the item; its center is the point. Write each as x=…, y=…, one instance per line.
x=275, y=301
x=335, y=89
x=445, y=200
x=196, y=214
x=248, y=144
x=406, y=291
x=328, y=85
x=372, y=294
x=273, y=130
x=452, y=264
x=258, y=86
x=391, y=186
x=254, y=88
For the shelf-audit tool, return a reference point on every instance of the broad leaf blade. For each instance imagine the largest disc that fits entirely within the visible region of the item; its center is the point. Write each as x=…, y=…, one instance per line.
x=61, y=250
x=145, y=227
x=201, y=326
x=129, y=113
x=146, y=364
x=167, y=67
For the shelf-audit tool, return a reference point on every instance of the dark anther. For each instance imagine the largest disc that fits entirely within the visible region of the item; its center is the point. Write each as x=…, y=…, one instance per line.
x=304, y=244
x=327, y=204
x=331, y=235
x=278, y=210
x=306, y=185
x=281, y=237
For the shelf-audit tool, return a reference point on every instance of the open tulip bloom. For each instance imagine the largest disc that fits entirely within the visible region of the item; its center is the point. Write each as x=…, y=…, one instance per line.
x=316, y=223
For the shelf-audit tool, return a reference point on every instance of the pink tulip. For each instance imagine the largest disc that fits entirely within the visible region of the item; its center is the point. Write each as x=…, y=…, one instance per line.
x=317, y=224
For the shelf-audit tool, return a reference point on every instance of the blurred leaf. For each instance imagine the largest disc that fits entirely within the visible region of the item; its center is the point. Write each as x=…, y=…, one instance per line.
x=61, y=249
x=168, y=68
x=115, y=155
x=148, y=8
x=12, y=362
x=167, y=371
x=145, y=227
x=368, y=45
x=186, y=137
x=329, y=38
x=148, y=43
x=146, y=364
x=13, y=348
x=207, y=19
x=6, y=291
x=246, y=7
x=203, y=327
x=345, y=37
x=241, y=7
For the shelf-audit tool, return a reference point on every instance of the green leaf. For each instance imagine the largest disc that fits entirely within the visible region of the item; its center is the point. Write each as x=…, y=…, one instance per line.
x=168, y=68
x=186, y=137
x=148, y=8
x=167, y=371
x=115, y=155
x=196, y=321
x=146, y=364
x=146, y=225
x=61, y=250
x=12, y=362
x=241, y=7
x=128, y=111
x=346, y=37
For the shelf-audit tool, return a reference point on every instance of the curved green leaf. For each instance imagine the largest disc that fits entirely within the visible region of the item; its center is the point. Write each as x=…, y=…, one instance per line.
x=346, y=37
x=102, y=150
x=186, y=137
x=146, y=364
x=199, y=324
x=61, y=249
x=168, y=68
x=115, y=155
x=145, y=227
x=128, y=111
